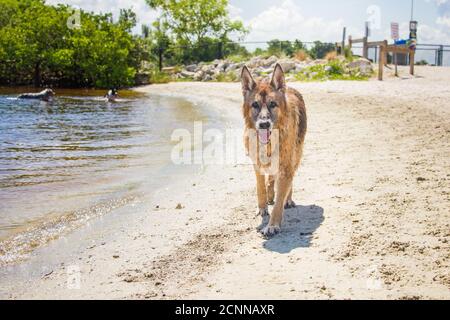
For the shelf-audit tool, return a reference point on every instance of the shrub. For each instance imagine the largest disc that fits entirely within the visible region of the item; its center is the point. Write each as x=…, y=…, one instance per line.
x=333, y=70
x=422, y=63
x=227, y=77
x=159, y=77
x=320, y=49
x=301, y=55
x=330, y=56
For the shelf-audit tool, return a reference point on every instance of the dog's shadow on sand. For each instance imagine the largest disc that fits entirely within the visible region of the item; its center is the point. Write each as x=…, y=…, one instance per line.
x=299, y=225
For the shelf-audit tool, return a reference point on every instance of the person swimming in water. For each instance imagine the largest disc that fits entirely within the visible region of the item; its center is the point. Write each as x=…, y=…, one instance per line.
x=112, y=95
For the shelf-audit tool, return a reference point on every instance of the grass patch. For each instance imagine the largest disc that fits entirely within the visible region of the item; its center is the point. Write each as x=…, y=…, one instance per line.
x=227, y=77
x=157, y=77
x=334, y=70
x=238, y=58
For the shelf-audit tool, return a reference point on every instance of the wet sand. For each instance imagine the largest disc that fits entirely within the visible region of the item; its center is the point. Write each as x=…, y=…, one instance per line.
x=372, y=221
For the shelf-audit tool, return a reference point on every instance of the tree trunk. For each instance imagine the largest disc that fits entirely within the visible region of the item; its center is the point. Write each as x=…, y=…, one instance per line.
x=37, y=75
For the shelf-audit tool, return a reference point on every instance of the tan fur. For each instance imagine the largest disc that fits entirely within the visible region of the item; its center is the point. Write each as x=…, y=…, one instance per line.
x=292, y=125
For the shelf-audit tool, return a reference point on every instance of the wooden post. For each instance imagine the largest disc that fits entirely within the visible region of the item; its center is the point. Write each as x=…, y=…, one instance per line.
x=350, y=44
x=365, y=49
x=396, y=63
x=440, y=59
x=381, y=62
x=412, y=54
x=385, y=53
x=344, y=35
x=395, y=60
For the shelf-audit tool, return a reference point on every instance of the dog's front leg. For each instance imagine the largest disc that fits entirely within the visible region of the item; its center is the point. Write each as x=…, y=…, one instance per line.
x=271, y=190
x=262, y=194
x=284, y=187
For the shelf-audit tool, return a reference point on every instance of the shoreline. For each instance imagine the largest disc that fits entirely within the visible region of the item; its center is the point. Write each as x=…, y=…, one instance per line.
x=372, y=220
x=22, y=241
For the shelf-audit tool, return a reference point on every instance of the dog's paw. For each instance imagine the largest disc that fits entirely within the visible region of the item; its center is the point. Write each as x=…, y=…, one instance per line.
x=290, y=204
x=270, y=231
x=262, y=212
x=264, y=223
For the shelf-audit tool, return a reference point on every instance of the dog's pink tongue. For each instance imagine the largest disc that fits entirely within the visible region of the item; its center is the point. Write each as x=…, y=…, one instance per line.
x=264, y=136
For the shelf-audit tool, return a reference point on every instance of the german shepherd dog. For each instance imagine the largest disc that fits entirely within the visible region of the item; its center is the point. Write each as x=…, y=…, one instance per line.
x=45, y=95
x=270, y=106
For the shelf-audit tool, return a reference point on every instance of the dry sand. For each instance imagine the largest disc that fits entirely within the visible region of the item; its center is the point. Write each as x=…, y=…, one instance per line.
x=373, y=218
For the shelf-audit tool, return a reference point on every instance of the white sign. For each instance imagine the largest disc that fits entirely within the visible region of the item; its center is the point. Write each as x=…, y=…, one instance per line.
x=395, y=31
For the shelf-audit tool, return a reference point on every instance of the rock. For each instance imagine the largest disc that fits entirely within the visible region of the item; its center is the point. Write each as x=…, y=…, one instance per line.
x=234, y=66
x=269, y=62
x=260, y=67
x=208, y=77
x=208, y=69
x=198, y=76
x=299, y=67
x=222, y=66
x=169, y=70
x=318, y=61
x=255, y=62
x=191, y=68
x=362, y=65
x=187, y=74
x=287, y=65
x=179, y=206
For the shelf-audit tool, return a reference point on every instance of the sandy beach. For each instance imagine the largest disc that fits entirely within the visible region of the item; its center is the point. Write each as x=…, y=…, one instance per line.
x=372, y=222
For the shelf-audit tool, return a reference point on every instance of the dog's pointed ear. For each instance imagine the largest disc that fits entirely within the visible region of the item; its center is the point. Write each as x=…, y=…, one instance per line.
x=278, y=81
x=247, y=81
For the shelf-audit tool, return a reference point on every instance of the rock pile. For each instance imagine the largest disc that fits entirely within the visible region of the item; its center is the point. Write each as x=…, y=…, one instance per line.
x=261, y=66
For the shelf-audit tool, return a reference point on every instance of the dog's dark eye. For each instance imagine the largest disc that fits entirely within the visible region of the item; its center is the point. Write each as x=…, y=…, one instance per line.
x=273, y=105
x=255, y=105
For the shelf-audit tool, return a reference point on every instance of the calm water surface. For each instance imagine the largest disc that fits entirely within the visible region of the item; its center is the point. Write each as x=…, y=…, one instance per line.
x=79, y=151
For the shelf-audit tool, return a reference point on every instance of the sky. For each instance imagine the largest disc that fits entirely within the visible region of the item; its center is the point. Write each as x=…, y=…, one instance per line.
x=313, y=20
x=310, y=20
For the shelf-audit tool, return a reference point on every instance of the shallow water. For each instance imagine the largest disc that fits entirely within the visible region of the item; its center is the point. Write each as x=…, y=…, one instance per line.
x=80, y=153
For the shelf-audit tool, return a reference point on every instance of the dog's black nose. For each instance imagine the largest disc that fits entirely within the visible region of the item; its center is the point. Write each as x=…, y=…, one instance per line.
x=264, y=125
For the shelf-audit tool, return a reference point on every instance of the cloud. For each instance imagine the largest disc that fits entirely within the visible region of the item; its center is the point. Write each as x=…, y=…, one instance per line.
x=443, y=21
x=144, y=14
x=443, y=6
x=286, y=22
x=234, y=12
x=441, y=33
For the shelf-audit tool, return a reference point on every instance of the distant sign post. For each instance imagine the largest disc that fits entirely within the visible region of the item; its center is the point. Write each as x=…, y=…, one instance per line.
x=395, y=31
x=395, y=35
x=413, y=34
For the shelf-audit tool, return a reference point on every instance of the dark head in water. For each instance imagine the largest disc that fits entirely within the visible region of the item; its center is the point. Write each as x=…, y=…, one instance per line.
x=45, y=95
x=112, y=95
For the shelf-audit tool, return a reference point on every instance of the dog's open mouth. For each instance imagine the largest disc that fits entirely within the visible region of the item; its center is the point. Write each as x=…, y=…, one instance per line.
x=264, y=136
